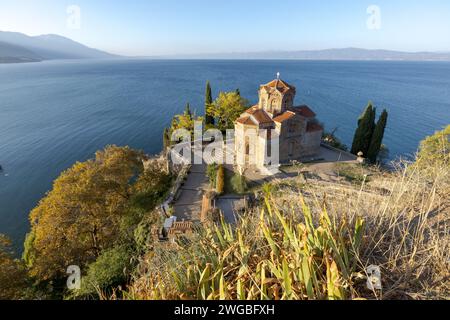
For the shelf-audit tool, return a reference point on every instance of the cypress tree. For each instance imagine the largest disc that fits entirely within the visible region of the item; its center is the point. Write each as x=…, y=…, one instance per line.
x=187, y=111
x=364, y=132
x=209, y=120
x=220, y=180
x=377, y=138
x=238, y=92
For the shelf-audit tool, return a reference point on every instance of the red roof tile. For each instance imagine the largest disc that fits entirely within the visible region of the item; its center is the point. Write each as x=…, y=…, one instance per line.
x=259, y=115
x=247, y=121
x=252, y=109
x=284, y=117
x=280, y=85
x=262, y=117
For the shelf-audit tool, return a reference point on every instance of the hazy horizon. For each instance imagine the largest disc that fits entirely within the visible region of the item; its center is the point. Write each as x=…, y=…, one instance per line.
x=141, y=28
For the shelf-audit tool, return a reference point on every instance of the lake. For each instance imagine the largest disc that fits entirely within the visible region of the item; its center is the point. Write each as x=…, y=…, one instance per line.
x=53, y=114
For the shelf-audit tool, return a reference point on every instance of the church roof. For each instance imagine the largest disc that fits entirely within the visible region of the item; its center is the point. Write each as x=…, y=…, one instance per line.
x=252, y=109
x=284, y=117
x=259, y=115
x=279, y=85
x=247, y=121
x=304, y=111
x=262, y=117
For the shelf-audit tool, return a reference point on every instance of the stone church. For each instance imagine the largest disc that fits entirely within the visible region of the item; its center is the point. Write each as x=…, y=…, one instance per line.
x=275, y=131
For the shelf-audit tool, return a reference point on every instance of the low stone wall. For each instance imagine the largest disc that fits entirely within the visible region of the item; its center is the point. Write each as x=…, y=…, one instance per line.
x=348, y=154
x=181, y=177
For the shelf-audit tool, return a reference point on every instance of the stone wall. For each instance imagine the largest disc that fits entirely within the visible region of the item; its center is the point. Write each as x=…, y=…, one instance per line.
x=311, y=143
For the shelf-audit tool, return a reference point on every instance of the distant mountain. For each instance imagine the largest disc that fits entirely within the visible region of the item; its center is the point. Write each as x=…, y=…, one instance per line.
x=10, y=53
x=18, y=47
x=329, y=54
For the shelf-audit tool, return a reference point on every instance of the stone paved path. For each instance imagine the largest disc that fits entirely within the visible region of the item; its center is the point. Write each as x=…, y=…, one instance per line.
x=189, y=204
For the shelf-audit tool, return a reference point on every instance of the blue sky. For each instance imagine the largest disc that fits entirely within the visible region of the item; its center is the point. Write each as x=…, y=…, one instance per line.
x=152, y=27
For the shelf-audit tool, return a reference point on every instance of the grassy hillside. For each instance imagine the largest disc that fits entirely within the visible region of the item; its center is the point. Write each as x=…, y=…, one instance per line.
x=315, y=240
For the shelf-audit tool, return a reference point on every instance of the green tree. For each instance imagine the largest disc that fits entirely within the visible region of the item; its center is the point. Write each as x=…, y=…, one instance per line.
x=211, y=172
x=227, y=108
x=185, y=121
x=209, y=118
x=377, y=137
x=364, y=132
x=239, y=184
x=109, y=270
x=151, y=186
x=187, y=111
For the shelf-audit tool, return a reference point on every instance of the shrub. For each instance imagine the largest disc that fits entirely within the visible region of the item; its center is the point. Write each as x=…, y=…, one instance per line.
x=333, y=141
x=220, y=182
x=271, y=255
x=317, y=248
x=143, y=233
x=238, y=184
x=211, y=172
x=352, y=173
x=434, y=154
x=107, y=272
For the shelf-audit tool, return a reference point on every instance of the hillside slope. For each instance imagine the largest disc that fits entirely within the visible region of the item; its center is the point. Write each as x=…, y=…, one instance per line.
x=10, y=53
x=47, y=47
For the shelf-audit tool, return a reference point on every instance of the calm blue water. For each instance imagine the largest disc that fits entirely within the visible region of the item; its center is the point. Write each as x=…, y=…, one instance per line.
x=55, y=113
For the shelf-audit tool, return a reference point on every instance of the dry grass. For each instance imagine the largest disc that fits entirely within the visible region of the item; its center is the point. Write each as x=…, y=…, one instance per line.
x=315, y=242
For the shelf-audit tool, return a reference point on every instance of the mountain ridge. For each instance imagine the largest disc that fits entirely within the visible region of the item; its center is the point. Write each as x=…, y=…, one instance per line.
x=350, y=53
x=18, y=47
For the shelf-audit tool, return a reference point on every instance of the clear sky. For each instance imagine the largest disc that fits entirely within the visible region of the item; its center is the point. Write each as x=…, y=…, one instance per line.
x=152, y=27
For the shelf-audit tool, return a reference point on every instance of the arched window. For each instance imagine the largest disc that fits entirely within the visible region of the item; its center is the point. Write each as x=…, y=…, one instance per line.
x=247, y=146
x=273, y=104
x=269, y=143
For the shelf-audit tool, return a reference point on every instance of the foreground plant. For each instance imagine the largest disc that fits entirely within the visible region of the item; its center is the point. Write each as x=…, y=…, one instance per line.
x=276, y=255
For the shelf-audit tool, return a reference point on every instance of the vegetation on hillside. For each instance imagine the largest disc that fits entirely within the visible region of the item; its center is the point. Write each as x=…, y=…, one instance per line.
x=227, y=108
x=369, y=135
x=209, y=118
x=305, y=239
x=316, y=241
x=219, y=114
x=14, y=281
x=376, y=141
x=93, y=218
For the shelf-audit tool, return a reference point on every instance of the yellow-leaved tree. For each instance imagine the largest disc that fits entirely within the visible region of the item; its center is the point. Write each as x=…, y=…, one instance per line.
x=13, y=277
x=227, y=108
x=81, y=215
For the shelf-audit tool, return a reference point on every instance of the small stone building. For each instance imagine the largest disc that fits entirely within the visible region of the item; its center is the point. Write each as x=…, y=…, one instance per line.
x=275, y=131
